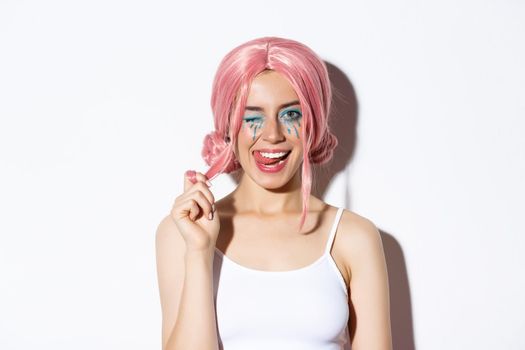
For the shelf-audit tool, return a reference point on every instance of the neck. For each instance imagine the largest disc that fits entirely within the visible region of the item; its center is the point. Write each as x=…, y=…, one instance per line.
x=250, y=197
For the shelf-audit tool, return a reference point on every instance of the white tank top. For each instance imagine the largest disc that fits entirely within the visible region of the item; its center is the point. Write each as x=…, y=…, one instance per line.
x=301, y=309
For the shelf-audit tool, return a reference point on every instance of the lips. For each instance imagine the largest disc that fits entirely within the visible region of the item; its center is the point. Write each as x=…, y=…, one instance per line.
x=267, y=161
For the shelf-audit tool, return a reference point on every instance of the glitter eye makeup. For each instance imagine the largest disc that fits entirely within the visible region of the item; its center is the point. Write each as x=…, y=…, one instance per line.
x=291, y=118
x=291, y=114
x=255, y=123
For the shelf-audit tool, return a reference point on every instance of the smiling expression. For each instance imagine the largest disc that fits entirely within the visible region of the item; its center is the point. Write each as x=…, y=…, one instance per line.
x=272, y=121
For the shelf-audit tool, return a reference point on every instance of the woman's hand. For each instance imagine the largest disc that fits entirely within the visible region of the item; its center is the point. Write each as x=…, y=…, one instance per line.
x=194, y=214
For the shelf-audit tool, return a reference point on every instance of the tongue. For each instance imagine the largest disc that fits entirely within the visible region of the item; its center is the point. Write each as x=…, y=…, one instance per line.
x=272, y=161
x=268, y=161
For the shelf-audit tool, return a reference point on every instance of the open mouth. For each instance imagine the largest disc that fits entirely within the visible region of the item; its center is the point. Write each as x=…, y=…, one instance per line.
x=268, y=158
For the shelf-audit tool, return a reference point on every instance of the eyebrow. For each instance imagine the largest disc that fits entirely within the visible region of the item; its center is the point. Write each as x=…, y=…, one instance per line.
x=259, y=109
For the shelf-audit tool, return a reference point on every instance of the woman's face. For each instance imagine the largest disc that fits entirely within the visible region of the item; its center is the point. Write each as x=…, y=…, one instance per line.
x=269, y=146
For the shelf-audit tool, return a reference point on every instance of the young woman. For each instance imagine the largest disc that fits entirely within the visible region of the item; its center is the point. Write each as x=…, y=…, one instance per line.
x=269, y=266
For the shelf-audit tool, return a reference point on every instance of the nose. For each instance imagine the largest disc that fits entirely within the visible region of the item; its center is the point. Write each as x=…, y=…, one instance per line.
x=273, y=131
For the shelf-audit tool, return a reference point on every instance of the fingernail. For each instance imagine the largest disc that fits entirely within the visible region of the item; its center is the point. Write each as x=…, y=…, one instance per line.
x=208, y=183
x=213, y=207
x=190, y=173
x=210, y=216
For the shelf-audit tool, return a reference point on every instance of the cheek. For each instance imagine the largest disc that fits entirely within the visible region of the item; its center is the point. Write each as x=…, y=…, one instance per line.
x=293, y=128
x=252, y=129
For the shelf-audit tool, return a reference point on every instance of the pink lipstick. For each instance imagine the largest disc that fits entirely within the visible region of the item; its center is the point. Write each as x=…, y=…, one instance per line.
x=271, y=165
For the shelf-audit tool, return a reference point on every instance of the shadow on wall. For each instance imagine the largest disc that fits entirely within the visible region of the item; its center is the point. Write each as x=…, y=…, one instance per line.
x=343, y=123
x=400, y=302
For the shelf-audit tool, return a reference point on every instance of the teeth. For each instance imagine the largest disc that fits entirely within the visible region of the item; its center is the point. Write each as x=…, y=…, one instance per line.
x=273, y=155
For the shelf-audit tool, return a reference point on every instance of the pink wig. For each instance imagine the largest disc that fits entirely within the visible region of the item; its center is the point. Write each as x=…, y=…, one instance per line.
x=307, y=74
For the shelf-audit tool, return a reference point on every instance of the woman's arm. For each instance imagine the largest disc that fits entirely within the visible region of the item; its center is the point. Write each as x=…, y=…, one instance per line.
x=370, y=328
x=186, y=292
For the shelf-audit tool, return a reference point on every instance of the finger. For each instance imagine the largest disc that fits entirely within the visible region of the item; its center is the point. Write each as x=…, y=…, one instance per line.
x=184, y=204
x=185, y=208
x=192, y=209
x=203, y=203
x=202, y=178
x=200, y=187
x=189, y=179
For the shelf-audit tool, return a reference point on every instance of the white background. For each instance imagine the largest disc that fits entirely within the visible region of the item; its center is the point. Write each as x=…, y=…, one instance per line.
x=104, y=105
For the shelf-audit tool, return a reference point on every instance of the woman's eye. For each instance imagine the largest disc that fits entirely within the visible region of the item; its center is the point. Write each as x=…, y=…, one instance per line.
x=252, y=119
x=292, y=115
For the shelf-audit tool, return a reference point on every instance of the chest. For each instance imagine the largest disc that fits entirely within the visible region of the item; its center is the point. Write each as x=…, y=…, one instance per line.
x=272, y=244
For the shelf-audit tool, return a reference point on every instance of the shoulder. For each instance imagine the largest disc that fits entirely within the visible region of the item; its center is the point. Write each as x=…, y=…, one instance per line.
x=358, y=229
x=359, y=241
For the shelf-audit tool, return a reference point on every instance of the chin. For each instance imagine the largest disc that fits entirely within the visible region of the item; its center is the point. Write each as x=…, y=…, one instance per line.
x=272, y=184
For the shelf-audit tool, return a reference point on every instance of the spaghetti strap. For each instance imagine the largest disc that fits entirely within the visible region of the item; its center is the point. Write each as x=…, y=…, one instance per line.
x=331, y=236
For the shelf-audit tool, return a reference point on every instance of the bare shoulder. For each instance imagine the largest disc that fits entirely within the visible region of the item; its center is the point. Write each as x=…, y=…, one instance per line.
x=359, y=240
x=358, y=229
x=361, y=250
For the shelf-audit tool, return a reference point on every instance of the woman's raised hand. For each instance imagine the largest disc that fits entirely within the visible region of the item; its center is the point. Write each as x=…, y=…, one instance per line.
x=194, y=214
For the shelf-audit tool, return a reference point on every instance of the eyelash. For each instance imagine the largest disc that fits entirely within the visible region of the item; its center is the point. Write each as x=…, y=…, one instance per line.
x=297, y=116
x=251, y=119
